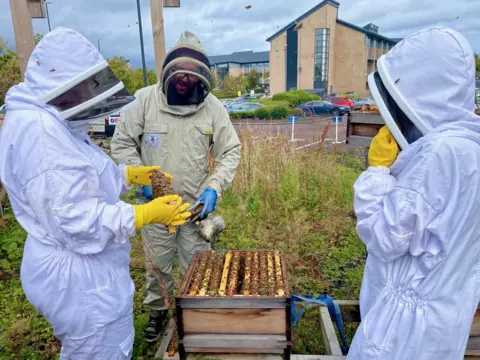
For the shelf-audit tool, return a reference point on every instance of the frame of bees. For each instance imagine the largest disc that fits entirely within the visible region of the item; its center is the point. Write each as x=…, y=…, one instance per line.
x=234, y=302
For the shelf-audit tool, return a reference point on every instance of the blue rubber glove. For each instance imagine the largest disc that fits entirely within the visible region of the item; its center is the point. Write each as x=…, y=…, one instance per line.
x=148, y=192
x=209, y=199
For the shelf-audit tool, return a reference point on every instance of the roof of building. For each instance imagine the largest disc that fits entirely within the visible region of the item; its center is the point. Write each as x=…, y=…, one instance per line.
x=318, y=7
x=241, y=57
x=367, y=32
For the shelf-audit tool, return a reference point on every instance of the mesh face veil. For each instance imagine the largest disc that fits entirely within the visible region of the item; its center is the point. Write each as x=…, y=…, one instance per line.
x=188, y=67
x=401, y=127
x=93, y=94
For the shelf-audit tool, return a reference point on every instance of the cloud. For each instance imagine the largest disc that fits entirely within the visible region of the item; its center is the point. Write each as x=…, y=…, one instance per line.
x=227, y=26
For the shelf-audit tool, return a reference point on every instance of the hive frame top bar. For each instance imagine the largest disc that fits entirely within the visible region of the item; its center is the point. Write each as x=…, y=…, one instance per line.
x=237, y=299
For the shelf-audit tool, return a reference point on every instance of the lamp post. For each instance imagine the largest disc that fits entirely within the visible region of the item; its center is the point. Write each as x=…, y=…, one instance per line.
x=48, y=16
x=145, y=82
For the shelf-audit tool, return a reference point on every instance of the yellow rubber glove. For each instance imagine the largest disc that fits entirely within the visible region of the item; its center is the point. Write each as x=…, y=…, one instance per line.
x=141, y=175
x=159, y=211
x=383, y=150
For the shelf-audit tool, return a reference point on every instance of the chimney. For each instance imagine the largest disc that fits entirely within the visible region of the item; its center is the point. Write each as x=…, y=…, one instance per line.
x=371, y=27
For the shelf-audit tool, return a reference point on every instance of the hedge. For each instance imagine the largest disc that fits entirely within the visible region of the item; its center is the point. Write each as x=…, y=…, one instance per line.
x=351, y=96
x=270, y=103
x=222, y=94
x=276, y=113
x=295, y=97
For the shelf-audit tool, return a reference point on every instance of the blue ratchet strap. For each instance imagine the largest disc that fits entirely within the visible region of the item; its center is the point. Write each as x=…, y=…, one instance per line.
x=323, y=300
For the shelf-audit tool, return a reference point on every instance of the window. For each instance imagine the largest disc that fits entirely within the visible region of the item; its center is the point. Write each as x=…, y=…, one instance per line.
x=223, y=70
x=322, y=51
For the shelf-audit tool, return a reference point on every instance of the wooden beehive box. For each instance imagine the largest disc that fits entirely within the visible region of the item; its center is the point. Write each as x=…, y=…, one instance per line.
x=252, y=316
x=362, y=128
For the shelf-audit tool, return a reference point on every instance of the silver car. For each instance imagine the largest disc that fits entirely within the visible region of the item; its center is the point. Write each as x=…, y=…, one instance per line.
x=363, y=101
x=243, y=106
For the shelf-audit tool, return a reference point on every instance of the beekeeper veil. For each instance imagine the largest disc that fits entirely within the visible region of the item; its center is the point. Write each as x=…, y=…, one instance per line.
x=425, y=84
x=186, y=72
x=69, y=74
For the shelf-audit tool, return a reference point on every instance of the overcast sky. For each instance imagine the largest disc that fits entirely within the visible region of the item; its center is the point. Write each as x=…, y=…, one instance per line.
x=225, y=26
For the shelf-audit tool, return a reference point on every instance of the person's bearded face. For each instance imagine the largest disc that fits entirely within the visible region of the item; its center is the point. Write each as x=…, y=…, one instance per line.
x=184, y=82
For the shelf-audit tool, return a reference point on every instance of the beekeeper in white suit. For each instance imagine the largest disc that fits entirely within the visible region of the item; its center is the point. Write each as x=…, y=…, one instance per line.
x=65, y=192
x=418, y=214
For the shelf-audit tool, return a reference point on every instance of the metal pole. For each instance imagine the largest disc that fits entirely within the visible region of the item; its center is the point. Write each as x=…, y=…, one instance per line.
x=145, y=82
x=293, y=128
x=98, y=42
x=48, y=16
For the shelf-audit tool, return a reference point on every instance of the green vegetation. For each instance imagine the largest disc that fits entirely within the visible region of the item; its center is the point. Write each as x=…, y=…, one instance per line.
x=295, y=97
x=132, y=78
x=477, y=62
x=274, y=113
x=297, y=202
x=252, y=79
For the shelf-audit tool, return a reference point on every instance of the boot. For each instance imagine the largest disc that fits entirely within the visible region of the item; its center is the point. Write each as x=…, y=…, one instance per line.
x=155, y=326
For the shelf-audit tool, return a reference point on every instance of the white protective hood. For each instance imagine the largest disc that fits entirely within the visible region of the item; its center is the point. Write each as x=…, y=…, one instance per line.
x=59, y=60
x=431, y=77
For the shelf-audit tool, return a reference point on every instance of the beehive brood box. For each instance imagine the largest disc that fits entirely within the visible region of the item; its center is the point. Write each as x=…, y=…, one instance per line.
x=234, y=302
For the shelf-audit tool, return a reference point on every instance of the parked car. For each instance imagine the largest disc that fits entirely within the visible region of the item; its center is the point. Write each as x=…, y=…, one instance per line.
x=322, y=107
x=243, y=106
x=363, y=101
x=334, y=94
x=106, y=126
x=337, y=100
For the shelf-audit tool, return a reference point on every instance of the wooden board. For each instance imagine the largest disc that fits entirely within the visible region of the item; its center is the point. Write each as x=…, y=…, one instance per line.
x=234, y=321
x=172, y=324
x=330, y=341
x=238, y=341
x=171, y=3
x=253, y=357
x=220, y=356
x=368, y=130
x=233, y=350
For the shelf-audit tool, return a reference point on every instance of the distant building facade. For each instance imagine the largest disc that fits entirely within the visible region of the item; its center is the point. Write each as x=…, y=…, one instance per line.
x=319, y=51
x=240, y=63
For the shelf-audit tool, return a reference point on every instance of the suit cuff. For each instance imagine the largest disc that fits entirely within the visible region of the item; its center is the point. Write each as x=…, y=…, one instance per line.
x=215, y=185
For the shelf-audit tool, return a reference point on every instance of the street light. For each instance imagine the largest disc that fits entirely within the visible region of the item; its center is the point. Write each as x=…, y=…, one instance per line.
x=48, y=17
x=145, y=82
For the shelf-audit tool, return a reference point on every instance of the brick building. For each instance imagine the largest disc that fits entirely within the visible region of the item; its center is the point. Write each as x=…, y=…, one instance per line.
x=319, y=51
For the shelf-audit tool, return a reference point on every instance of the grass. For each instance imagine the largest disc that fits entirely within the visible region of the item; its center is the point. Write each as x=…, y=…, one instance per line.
x=296, y=202
x=269, y=103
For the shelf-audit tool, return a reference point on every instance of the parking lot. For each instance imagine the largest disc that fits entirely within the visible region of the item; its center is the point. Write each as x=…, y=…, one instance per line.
x=307, y=132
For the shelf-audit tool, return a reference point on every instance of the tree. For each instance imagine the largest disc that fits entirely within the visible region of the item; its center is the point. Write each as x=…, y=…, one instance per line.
x=233, y=83
x=213, y=80
x=251, y=79
x=9, y=69
x=477, y=62
x=37, y=38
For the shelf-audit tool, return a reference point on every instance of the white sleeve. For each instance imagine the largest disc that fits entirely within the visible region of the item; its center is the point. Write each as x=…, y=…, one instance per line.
x=71, y=207
x=391, y=218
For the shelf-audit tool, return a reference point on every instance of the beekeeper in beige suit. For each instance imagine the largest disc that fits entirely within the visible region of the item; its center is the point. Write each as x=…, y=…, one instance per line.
x=174, y=125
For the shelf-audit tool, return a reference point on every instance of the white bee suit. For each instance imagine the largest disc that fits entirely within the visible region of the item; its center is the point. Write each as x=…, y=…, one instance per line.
x=65, y=192
x=420, y=218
